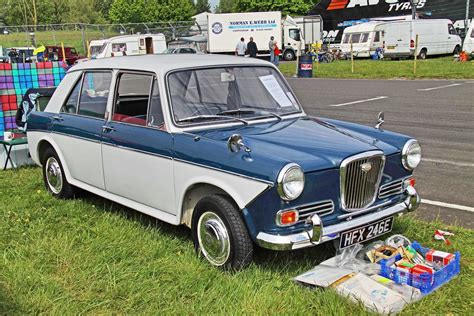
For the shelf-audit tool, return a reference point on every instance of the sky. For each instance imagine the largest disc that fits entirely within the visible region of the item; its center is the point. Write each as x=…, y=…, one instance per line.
x=213, y=3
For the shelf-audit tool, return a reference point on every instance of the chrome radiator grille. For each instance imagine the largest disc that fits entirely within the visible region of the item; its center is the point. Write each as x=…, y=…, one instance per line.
x=360, y=179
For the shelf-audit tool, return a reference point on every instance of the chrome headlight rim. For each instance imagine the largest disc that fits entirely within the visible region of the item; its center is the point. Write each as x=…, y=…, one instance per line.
x=406, y=152
x=281, y=178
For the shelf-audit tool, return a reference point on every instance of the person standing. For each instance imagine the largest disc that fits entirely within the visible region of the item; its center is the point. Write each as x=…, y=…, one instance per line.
x=276, y=55
x=252, y=48
x=271, y=48
x=241, y=48
x=13, y=55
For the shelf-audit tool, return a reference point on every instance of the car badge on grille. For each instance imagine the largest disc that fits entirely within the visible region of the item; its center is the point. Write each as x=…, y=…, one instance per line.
x=366, y=167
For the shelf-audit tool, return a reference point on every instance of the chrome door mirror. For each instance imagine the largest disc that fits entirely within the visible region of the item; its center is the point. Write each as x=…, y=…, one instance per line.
x=380, y=120
x=236, y=142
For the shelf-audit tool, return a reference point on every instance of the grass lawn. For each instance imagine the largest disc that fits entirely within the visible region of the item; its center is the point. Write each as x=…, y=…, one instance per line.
x=92, y=256
x=436, y=68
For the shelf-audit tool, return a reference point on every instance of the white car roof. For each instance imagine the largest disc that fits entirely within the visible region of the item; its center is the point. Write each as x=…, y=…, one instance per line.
x=161, y=64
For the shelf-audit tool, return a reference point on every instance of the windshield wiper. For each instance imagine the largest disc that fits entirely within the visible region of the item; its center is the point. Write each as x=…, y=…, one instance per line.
x=210, y=117
x=248, y=111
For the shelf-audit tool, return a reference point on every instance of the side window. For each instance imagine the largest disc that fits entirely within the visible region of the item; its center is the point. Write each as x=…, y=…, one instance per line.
x=472, y=33
x=71, y=104
x=294, y=34
x=356, y=38
x=155, y=115
x=345, y=40
x=377, y=37
x=451, y=29
x=131, y=100
x=94, y=94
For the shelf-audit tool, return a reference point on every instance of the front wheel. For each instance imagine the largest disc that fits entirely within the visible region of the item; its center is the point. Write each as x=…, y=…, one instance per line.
x=423, y=54
x=220, y=235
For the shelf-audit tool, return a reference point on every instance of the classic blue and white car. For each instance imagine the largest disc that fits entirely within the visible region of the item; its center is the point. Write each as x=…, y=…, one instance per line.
x=221, y=144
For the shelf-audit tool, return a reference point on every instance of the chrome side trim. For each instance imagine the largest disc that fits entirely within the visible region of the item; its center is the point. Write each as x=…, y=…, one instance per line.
x=343, y=174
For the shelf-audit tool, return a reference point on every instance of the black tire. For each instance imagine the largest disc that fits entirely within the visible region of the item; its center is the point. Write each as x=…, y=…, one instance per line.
x=289, y=55
x=457, y=50
x=214, y=219
x=54, y=177
x=423, y=54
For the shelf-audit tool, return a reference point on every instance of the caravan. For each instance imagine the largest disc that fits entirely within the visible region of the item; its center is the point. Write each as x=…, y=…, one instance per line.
x=139, y=44
x=365, y=38
x=469, y=39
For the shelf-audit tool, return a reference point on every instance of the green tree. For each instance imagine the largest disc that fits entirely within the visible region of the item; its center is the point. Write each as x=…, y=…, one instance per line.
x=225, y=6
x=294, y=7
x=203, y=6
x=136, y=11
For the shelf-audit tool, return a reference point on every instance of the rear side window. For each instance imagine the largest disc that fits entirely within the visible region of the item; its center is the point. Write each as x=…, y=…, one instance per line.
x=71, y=104
x=132, y=98
x=94, y=94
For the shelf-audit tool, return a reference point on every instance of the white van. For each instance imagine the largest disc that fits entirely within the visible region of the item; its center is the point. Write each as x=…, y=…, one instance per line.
x=469, y=39
x=139, y=44
x=435, y=37
x=365, y=38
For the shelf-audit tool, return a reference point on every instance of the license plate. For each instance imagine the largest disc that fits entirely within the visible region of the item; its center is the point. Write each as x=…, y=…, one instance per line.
x=364, y=233
x=390, y=47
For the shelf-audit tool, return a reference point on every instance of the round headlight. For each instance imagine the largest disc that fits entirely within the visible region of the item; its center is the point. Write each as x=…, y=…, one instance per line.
x=290, y=182
x=411, y=154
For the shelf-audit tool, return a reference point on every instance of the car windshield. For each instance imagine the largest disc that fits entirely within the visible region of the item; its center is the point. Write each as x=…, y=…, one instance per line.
x=201, y=96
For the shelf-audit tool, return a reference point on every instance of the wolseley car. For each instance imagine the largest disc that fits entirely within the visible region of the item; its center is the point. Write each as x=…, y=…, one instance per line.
x=222, y=145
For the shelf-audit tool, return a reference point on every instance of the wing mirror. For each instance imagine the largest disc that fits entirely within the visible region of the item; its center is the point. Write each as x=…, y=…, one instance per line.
x=236, y=142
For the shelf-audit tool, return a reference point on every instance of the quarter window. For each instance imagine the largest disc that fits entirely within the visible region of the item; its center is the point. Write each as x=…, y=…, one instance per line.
x=71, y=104
x=94, y=94
x=131, y=100
x=155, y=116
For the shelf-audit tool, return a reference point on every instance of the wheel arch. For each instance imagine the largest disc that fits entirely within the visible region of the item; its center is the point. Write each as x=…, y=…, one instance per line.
x=194, y=193
x=45, y=143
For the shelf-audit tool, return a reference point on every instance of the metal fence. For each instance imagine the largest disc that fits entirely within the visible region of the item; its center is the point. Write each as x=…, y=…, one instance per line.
x=78, y=34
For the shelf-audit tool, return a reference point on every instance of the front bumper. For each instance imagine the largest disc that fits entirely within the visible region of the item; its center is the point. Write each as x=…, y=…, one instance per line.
x=318, y=234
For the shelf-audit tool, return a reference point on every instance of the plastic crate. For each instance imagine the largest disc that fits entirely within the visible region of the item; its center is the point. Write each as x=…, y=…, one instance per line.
x=426, y=282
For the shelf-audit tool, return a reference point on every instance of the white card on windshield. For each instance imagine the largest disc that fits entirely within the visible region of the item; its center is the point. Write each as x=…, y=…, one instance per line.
x=272, y=86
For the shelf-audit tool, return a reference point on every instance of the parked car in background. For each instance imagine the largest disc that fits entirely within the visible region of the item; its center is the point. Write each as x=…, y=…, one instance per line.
x=55, y=53
x=222, y=145
x=25, y=54
x=139, y=44
x=435, y=37
x=366, y=38
x=180, y=50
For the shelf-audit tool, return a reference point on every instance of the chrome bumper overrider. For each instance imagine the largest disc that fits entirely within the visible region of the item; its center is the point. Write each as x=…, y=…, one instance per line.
x=317, y=233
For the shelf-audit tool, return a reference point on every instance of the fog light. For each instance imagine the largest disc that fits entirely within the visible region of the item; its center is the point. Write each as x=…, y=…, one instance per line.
x=286, y=218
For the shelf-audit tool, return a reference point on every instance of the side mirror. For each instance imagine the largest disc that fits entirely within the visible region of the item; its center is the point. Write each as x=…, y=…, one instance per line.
x=236, y=142
x=380, y=120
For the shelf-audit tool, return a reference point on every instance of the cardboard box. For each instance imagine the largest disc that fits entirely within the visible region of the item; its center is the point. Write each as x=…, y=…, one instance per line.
x=435, y=256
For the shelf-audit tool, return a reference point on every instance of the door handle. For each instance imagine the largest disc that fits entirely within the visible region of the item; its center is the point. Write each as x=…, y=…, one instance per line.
x=57, y=118
x=107, y=129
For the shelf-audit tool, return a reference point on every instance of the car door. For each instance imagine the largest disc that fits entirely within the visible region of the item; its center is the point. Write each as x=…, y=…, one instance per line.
x=77, y=128
x=137, y=150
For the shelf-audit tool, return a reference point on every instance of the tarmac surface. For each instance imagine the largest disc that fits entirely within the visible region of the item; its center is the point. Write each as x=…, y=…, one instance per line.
x=438, y=113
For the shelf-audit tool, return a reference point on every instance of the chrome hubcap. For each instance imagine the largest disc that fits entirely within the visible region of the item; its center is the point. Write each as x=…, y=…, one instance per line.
x=54, y=176
x=213, y=238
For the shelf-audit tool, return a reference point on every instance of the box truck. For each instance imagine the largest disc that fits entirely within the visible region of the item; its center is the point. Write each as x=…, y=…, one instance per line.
x=435, y=37
x=225, y=30
x=139, y=44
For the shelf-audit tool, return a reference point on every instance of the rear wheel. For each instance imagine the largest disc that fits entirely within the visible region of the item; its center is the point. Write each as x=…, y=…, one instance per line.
x=423, y=54
x=53, y=176
x=457, y=50
x=220, y=234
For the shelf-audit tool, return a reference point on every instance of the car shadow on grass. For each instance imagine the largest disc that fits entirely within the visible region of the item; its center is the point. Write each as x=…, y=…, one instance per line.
x=272, y=260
